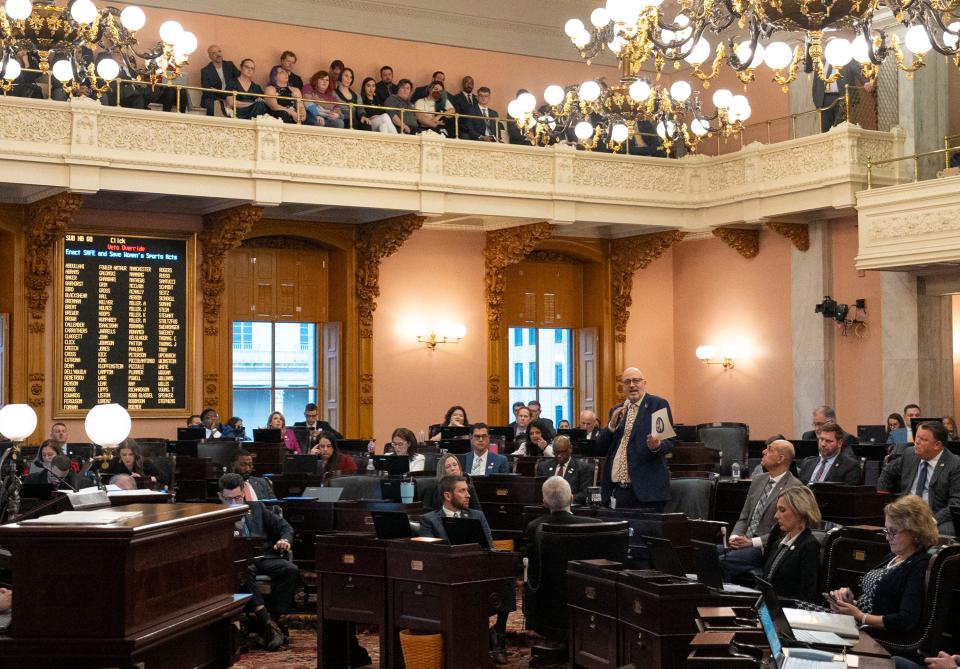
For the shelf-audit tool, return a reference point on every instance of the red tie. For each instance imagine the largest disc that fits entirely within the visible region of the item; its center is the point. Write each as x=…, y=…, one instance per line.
x=819, y=472
x=560, y=470
x=248, y=495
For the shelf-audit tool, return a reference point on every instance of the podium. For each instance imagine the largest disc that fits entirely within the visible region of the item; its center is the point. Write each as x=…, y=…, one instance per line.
x=156, y=590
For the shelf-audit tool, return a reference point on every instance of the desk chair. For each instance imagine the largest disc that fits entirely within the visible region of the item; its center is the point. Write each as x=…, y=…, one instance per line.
x=728, y=438
x=693, y=494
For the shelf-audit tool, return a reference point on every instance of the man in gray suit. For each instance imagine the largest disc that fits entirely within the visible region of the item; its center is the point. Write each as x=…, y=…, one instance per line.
x=825, y=95
x=929, y=471
x=756, y=518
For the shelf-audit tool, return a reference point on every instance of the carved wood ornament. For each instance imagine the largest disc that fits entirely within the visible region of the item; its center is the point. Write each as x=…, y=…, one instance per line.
x=798, y=233
x=375, y=241
x=627, y=255
x=504, y=248
x=45, y=223
x=744, y=242
x=222, y=231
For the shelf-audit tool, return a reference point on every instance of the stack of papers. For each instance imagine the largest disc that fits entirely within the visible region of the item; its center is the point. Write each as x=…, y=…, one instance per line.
x=98, y=517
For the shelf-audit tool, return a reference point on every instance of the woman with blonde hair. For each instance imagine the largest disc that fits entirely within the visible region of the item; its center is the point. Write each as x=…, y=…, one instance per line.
x=791, y=559
x=448, y=465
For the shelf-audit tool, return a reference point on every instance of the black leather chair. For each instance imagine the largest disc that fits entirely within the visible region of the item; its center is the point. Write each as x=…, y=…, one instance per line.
x=693, y=496
x=728, y=438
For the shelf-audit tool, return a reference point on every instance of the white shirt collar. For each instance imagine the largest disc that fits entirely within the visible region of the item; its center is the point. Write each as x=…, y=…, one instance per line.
x=448, y=513
x=933, y=461
x=776, y=479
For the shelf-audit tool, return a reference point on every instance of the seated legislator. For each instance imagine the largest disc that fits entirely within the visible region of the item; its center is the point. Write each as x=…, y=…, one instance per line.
x=333, y=462
x=589, y=423
x=480, y=461
x=448, y=465
x=404, y=442
x=456, y=416
x=254, y=487
x=578, y=475
x=123, y=481
x=943, y=659
x=891, y=595
x=311, y=415
x=260, y=522
x=48, y=450
x=929, y=471
x=791, y=558
x=276, y=421
x=214, y=428
x=130, y=462
x=537, y=439
x=58, y=474
x=558, y=499
x=756, y=520
x=831, y=466
x=821, y=416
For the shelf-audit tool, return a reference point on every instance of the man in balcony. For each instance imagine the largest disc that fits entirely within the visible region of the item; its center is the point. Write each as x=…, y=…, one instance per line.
x=218, y=73
x=827, y=96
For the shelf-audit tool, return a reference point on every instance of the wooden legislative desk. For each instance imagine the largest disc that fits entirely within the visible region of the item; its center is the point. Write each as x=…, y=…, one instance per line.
x=157, y=590
x=693, y=456
x=842, y=504
x=503, y=498
x=406, y=584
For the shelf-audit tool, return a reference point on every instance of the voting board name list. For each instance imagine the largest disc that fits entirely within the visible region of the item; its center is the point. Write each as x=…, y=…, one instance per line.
x=124, y=322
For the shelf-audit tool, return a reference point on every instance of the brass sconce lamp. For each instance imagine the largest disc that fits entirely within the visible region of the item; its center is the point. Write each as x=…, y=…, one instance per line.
x=706, y=353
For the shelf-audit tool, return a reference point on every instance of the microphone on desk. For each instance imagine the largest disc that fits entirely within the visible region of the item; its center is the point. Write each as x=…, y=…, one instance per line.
x=59, y=463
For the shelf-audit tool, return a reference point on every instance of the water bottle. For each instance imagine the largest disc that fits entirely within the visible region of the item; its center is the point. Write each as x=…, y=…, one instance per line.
x=423, y=439
x=371, y=450
x=735, y=470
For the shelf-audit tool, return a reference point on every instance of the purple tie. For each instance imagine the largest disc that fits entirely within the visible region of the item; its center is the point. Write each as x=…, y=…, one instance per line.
x=819, y=473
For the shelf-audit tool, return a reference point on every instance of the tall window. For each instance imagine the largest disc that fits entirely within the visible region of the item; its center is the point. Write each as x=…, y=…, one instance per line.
x=274, y=369
x=547, y=356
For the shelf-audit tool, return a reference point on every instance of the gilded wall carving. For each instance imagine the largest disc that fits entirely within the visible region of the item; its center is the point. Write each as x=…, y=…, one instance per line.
x=504, y=248
x=743, y=241
x=44, y=224
x=222, y=231
x=627, y=255
x=797, y=233
x=376, y=241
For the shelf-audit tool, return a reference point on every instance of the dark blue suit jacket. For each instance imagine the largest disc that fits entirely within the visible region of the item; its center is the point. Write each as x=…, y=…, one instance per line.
x=649, y=475
x=496, y=463
x=431, y=524
x=262, y=522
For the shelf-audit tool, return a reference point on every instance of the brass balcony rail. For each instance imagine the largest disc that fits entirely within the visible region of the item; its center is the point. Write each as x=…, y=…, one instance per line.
x=946, y=151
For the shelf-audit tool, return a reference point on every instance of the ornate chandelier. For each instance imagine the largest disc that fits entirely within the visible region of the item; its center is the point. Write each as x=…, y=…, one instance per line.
x=637, y=31
x=62, y=40
x=597, y=113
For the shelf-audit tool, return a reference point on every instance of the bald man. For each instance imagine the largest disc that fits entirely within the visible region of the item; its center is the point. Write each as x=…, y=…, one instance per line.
x=589, y=423
x=218, y=73
x=635, y=475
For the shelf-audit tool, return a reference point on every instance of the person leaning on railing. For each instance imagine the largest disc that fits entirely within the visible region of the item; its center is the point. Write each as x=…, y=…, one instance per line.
x=345, y=93
x=321, y=102
x=284, y=101
x=246, y=106
x=369, y=118
x=406, y=121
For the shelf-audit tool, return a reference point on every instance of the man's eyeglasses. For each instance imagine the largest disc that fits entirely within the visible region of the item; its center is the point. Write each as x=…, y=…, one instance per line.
x=482, y=437
x=632, y=382
x=237, y=499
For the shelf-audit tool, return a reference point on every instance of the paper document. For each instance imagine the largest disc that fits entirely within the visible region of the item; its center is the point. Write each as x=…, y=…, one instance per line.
x=823, y=622
x=101, y=517
x=660, y=426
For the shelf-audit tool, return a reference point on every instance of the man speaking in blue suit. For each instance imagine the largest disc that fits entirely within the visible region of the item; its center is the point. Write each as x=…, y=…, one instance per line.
x=480, y=461
x=635, y=474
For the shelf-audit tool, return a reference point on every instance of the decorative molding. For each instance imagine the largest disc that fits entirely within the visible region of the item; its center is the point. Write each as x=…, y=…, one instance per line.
x=493, y=389
x=798, y=233
x=743, y=241
x=366, y=390
x=222, y=230
x=35, y=398
x=627, y=255
x=211, y=395
x=282, y=242
x=376, y=241
x=503, y=248
x=550, y=256
x=44, y=225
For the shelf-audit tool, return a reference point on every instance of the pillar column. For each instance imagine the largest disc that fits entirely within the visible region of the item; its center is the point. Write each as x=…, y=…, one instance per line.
x=900, y=340
x=935, y=353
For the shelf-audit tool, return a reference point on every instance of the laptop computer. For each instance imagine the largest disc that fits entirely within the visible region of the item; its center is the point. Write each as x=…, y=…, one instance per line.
x=804, y=448
x=710, y=571
x=455, y=446
x=191, y=433
x=507, y=433
x=573, y=432
x=771, y=600
x=394, y=465
x=663, y=556
x=794, y=658
x=872, y=434
x=184, y=447
x=267, y=435
x=323, y=494
x=465, y=531
x=301, y=464
x=391, y=524
x=822, y=621
x=454, y=432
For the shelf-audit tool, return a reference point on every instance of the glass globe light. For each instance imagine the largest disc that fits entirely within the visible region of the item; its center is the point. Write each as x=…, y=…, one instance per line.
x=573, y=27
x=18, y=9
x=581, y=39
x=553, y=95
x=838, y=52
x=917, y=40
x=527, y=102
x=170, y=31
x=107, y=424
x=513, y=109
x=83, y=12
x=680, y=90
x=132, y=18
x=63, y=70
x=622, y=11
x=777, y=55
x=699, y=127
x=685, y=31
x=599, y=17
x=952, y=35
x=619, y=133
x=664, y=130
x=616, y=44
x=721, y=98
x=108, y=69
x=186, y=43
x=589, y=90
x=705, y=352
x=639, y=90
x=11, y=72
x=648, y=4
x=17, y=421
x=738, y=103
x=743, y=53
x=583, y=130
x=668, y=36
x=699, y=53
x=858, y=47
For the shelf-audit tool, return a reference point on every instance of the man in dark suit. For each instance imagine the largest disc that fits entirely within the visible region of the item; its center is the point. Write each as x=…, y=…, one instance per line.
x=385, y=87
x=259, y=522
x=589, y=423
x=465, y=101
x=214, y=428
x=536, y=413
x=480, y=461
x=825, y=95
x=756, y=520
x=577, y=475
x=516, y=408
x=255, y=488
x=831, y=466
x=826, y=414
x=929, y=471
x=218, y=73
x=635, y=474
x=312, y=421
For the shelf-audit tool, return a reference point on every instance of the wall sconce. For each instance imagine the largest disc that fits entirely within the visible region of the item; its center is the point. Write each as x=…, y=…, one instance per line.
x=706, y=353
x=450, y=334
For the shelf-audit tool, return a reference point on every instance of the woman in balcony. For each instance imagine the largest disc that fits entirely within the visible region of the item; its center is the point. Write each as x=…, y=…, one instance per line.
x=377, y=120
x=345, y=93
x=246, y=106
x=321, y=102
x=284, y=101
x=290, y=441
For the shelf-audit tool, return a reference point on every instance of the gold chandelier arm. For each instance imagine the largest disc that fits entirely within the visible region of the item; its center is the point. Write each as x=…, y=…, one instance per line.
x=901, y=61
x=714, y=69
x=784, y=81
x=747, y=75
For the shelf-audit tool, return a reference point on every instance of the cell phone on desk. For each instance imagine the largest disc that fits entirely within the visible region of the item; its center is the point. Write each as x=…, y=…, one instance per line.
x=830, y=598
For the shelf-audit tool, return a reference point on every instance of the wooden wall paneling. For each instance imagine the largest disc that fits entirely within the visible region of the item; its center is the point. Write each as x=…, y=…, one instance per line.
x=330, y=405
x=288, y=289
x=586, y=352
x=313, y=270
x=264, y=284
x=240, y=299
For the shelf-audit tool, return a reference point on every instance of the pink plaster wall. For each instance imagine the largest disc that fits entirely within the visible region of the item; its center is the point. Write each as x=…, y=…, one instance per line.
x=435, y=277
x=723, y=299
x=859, y=361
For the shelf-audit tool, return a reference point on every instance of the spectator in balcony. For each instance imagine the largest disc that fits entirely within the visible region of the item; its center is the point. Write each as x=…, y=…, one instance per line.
x=465, y=100
x=433, y=111
x=405, y=121
x=385, y=87
x=514, y=134
x=335, y=69
x=132, y=96
x=284, y=101
x=246, y=106
x=369, y=117
x=830, y=94
x=218, y=73
x=287, y=61
x=490, y=126
x=424, y=91
x=321, y=101
x=26, y=85
x=345, y=93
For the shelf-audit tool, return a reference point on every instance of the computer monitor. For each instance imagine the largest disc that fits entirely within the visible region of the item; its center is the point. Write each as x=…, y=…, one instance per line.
x=872, y=434
x=394, y=465
x=303, y=437
x=301, y=464
x=454, y=431
x=82, y=451
x=663, y=556
x=271, y=435
x=184, y=448
x=573, y=433
x=915, y=423
x=506, y=433
x=804, y=448
x=191, y=433
x=455, y=446
x=323, y=494
x=686, y=433
x=465, y=531
x=391, y=524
